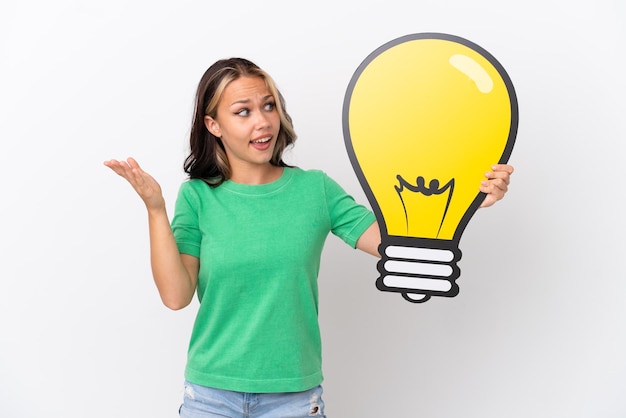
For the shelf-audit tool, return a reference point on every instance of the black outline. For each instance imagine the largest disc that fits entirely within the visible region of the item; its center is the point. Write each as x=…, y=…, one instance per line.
x=453, y=244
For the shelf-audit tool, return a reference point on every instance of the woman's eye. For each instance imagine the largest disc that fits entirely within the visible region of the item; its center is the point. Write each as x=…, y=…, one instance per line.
x=270, y=106
x=243, y=112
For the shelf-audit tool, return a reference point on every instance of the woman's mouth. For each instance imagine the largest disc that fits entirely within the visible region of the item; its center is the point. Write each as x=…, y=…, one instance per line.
x=262, y=144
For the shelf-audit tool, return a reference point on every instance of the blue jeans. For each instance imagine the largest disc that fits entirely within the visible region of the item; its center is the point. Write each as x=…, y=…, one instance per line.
x=204, y=402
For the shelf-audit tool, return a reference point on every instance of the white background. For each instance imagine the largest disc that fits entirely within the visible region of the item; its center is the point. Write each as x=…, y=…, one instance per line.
x=539, y=327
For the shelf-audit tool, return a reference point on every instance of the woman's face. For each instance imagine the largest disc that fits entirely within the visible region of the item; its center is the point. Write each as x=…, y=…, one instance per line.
x=247, y=123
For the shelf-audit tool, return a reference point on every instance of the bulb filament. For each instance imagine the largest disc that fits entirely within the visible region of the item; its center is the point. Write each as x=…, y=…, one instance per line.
x=420, y=187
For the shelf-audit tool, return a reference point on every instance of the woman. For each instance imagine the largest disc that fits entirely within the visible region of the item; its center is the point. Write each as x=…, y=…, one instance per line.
x=247, y=236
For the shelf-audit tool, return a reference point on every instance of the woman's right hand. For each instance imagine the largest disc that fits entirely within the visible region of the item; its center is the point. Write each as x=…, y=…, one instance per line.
x=144, y=184
x=175, y=274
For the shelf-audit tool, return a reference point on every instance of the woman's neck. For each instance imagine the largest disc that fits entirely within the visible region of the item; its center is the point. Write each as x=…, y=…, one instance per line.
x=254, y=175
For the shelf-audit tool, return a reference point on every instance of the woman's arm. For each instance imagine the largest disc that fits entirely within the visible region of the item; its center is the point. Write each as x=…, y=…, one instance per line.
x=370, y=240
x=175, y=274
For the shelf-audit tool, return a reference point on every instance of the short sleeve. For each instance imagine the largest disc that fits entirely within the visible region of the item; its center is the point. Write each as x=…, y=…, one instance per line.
x=348, y=218
x=185, y=224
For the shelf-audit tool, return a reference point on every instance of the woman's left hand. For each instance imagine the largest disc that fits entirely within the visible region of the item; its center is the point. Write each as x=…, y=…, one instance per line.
x=497, y=183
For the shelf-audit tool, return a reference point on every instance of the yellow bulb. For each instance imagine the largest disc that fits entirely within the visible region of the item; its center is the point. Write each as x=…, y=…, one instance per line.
x=425, y=116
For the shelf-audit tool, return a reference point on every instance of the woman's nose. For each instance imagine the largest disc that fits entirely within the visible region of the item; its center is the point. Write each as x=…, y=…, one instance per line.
x=263, y=120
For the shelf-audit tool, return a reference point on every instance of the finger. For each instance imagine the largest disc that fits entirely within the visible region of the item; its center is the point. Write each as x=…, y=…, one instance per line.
x=495, y=188
x=123, y=169
x=116, y=166
x=127, y=171
x=501, y=184
x=501, y=175
x=495, y=185
x=136, y=171
x=112, y=164
x=488, y=201
x=509, y=169
x=132, y=162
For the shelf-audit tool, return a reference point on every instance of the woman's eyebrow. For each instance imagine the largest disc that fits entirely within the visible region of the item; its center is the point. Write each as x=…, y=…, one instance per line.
x=245, y=101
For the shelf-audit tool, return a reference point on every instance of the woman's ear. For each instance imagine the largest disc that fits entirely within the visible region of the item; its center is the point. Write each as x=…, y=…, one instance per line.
x=212, y=125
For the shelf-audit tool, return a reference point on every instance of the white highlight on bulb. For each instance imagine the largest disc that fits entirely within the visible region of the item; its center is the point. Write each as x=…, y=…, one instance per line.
x=473, y=70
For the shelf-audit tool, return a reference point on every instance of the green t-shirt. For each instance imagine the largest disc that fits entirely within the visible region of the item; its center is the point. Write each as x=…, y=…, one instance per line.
x=259, y=248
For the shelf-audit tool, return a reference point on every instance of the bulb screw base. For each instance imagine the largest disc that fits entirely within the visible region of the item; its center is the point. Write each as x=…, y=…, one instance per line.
x=419, y=268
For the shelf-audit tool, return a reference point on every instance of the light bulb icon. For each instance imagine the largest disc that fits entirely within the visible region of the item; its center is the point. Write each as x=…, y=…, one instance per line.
x=424, y=117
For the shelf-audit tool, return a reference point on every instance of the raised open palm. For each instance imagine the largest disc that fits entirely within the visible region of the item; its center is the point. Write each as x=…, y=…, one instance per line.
x=144, y=184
